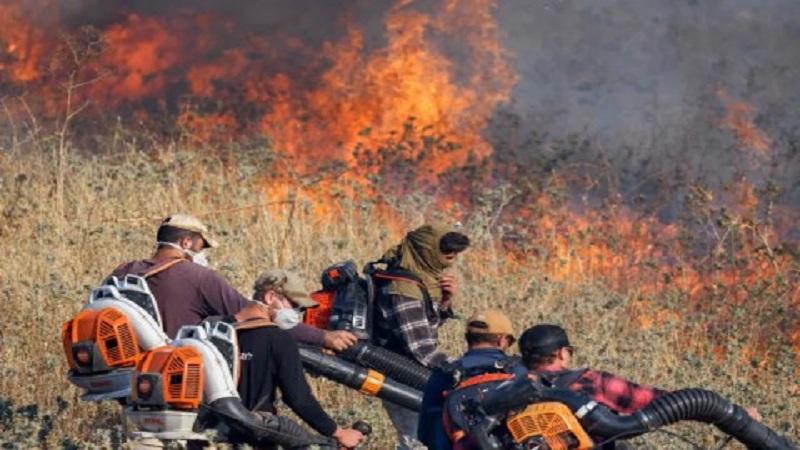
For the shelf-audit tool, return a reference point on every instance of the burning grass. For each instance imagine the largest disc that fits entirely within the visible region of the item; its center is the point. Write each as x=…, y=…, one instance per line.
x=367, y=137
x=642, y=298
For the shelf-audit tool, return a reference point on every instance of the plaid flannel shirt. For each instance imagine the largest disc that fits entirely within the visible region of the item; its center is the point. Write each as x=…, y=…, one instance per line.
x=619, y=394
x=410, y=327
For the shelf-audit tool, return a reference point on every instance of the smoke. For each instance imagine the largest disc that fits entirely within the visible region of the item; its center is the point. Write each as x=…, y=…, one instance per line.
x=648, y=83
x=310, y=20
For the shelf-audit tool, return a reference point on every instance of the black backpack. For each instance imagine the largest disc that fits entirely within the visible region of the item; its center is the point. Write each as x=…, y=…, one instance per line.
x=347, y=300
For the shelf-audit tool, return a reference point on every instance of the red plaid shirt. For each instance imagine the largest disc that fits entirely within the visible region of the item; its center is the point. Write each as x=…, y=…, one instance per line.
x=619, y=394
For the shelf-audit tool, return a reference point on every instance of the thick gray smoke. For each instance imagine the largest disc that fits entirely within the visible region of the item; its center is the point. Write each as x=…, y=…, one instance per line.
x=639, y=78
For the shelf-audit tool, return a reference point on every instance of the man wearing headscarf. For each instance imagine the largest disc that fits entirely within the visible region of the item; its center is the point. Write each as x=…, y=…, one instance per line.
x=414, y=305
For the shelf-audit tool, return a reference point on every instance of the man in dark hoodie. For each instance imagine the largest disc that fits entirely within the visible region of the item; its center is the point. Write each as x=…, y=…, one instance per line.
x=270, y=359
x=489, y=335
x=411, y=308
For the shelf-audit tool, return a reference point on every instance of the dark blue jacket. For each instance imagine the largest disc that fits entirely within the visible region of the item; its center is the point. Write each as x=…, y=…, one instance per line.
x=431, y=430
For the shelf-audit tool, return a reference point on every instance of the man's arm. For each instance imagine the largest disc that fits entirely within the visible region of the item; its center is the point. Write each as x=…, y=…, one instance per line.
x=619, y=394
x=413, y=326
x=308, y=335
x=220, y=297
x=337, y=341
x=430, y=428
x=295, y=389
x=627, y=397
x=449, y=285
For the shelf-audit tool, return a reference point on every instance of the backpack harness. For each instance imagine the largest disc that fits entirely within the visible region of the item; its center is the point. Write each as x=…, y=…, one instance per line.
x=565, y=379
x=471, y=382
x=158, y=268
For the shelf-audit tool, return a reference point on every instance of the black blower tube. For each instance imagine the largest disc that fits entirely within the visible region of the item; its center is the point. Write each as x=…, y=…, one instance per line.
x=397, y=367
x=257, y=429
x=687, y=404
x=356, y=377
x=707, y=406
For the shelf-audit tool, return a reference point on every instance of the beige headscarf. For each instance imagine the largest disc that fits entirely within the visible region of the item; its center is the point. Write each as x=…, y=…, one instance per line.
x=419, y=253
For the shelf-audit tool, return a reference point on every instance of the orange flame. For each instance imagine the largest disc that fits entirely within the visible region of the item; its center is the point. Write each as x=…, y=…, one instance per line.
x=359, y=99
x=366, y=100
x=739, y=119
x=24, y=44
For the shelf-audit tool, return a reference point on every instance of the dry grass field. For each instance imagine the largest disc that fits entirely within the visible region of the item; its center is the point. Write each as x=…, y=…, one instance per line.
x=67, y=219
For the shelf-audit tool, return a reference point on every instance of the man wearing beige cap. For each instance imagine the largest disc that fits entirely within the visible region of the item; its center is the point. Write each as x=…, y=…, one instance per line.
x=489, y=333
x=285, y=295
x=186, y=290
x=270, y=359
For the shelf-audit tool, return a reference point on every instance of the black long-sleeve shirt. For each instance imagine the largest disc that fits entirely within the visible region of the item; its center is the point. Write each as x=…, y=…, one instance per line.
x=270, y=360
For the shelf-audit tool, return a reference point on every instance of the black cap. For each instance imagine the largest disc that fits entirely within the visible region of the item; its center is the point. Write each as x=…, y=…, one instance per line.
x=542, y=340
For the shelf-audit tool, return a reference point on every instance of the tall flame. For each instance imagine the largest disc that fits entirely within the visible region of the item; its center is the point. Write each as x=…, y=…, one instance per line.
x=360, y=97
x=24, y=43
x=365, y=99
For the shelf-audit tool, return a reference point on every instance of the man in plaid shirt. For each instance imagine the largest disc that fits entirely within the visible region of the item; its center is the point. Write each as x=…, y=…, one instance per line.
x=413, y=305
x=410, y=327
x=546, y=351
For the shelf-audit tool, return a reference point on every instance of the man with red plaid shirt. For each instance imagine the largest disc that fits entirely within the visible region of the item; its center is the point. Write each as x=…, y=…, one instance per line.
x=547, y=352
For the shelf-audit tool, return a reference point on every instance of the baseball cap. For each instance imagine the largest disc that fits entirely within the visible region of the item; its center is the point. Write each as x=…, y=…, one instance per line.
x=542, y=340
x=287, y=284
x=490, y=321
x=190, y=223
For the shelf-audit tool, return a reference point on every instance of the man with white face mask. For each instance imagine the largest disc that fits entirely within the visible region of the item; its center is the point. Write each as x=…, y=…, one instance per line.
x=285, y=296
x=187, y=292
x=270, y=359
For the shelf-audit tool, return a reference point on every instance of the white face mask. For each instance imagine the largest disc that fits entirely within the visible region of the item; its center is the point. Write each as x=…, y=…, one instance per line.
x=199, y=258
x=287, y=318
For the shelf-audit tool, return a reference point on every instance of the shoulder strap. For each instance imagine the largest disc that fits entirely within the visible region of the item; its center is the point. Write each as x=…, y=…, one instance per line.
x=254, y=323
x=403, y=275
x=486, y=377
x=453, y=370
x=158, y=268
x=565, y=379
x=395, y=274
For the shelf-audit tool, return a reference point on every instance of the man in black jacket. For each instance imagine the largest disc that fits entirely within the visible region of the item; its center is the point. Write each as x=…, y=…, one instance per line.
x=270, y=359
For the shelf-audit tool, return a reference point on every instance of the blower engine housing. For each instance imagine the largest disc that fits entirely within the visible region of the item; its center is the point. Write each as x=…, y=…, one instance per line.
x=107, y=338
x=97, y=341
x=549, y=423
x=166, y=392
x=102, y=350
x=169, y=377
